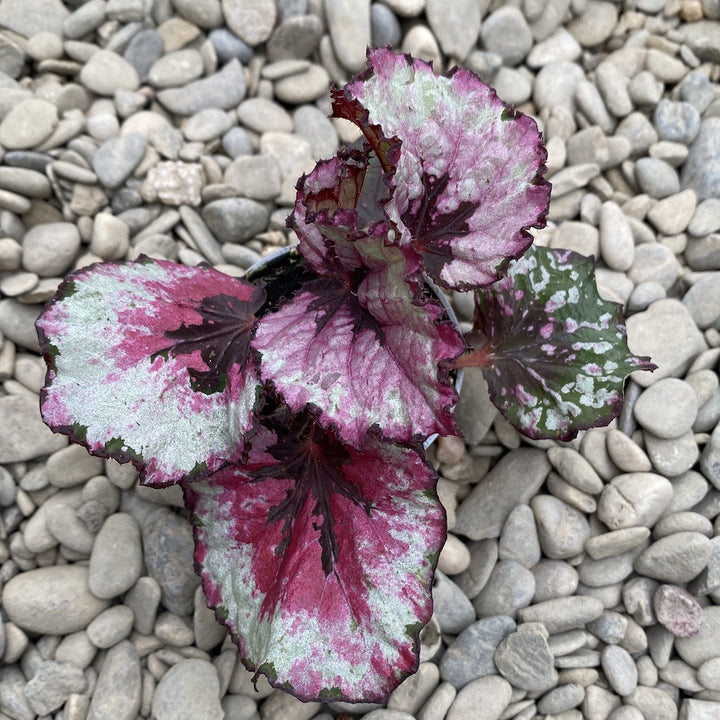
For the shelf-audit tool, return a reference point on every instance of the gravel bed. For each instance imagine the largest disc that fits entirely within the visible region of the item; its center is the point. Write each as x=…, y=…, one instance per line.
x=578, y=580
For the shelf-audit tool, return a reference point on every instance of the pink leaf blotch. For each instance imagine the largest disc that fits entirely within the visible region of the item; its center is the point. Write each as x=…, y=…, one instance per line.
x=468, y=181
x=319, y=558
x=150, y=361
x=368, y=354
x=553, y=352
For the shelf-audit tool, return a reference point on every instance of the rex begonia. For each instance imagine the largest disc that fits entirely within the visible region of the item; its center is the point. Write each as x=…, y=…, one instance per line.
x=292, y=405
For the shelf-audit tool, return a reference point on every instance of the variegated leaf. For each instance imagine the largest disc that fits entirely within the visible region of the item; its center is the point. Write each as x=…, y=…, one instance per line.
x=553, y=352
x=150, y=362
x=319, y=559
x=367, y=356
x=468, y=182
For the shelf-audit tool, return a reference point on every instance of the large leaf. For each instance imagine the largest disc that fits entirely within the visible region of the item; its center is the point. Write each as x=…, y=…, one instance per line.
x=319, y=559
x=468, y=181
x=367, y=356
x=150, y=361
x=553, y=352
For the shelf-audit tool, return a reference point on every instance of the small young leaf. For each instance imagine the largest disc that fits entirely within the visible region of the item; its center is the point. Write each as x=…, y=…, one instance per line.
x=367, y=355
x=321, y=557
x=150, y=361
x=339, y=205
x=553, y=352
x=468, y=182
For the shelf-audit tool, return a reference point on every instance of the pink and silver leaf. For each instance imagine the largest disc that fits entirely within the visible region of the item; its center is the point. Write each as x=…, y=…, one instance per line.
x=369, y=356
x=150, y=362
x=468, y=181
x=319, y=559
x=553, y=352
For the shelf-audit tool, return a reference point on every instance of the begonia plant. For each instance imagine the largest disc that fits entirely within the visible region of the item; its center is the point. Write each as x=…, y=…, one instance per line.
x=294, y=418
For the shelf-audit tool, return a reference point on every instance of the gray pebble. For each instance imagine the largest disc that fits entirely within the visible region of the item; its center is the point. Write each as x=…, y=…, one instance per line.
x=295, y=38
x=575, y=469
x=634, y=499
x=505, y=32
x=349, y=26
x=619, y=669
x=412, y=693
x=616, y=241
x=696, y=89
x=676, y=121
x=613, y=86
x=176, y=69
x=205, y=14
x=453, y=610
x=594, y=24
x=457, y=31
x=263, y=115
x=606, y=571
x=206, y=125
x=561, y=699
x=562, y=530
x=625, y=454
x=116, y=560
x=673, y=456
x=519, y=540
x=667, y=408
x=471, y=654
x=252, y=21
x=23, y=435
x=119, y=685
x=72, y=466
x=84, y=20
x=143, y=50
x=228, y=46
x=483, y=556
x=654, y=262
x=706, y=218
x=106, y=72
x=143, y=599
x=304, y=86
x=561, y=614
x=554, y=579
x=560, y=46
x=645, y=90
x=701, y=171
x=510, y=586
x=224, y=89
x=482, y=699
x=703, y=300
x=68, y=529
x=116, y=158
x=235, y=220
x=51, y=684
x=317, y=129
x=610, y=627
x=639, y=131
x=54, y=600
x=667, y=333
x=656, y=178
x=525, y=660
x=384, y=26
x=16, y=133
x=168, y=552
x=110, y=626
x=676, y=558
x=237, y=142
x=514, y=479
x=653, y=702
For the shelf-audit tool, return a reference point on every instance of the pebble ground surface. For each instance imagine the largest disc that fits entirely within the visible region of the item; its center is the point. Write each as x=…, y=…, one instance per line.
x=578, y=580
